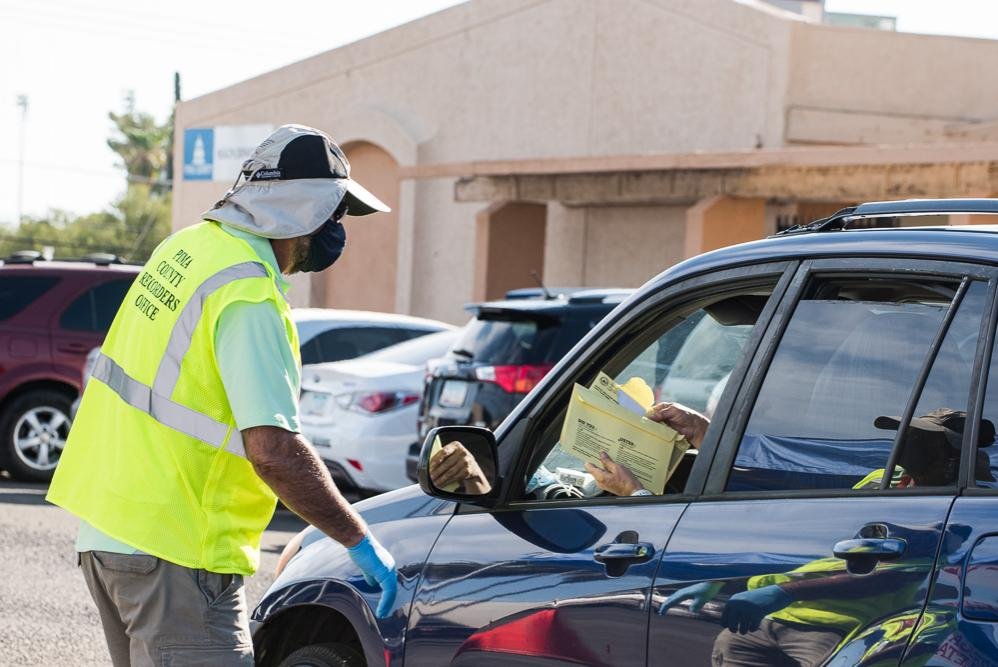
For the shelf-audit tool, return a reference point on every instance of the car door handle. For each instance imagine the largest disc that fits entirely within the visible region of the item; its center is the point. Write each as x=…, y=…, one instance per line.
x=74, y=348
x=623, y=552
x=884, y=548
x=863, y=553
x=628, y=552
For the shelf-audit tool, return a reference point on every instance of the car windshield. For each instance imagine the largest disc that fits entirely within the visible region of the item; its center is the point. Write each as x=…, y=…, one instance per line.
x=417, y=351
x=494, y=340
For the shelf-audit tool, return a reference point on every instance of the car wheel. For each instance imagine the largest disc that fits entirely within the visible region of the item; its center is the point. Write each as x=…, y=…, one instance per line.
x=324, y=655
x=34, y=428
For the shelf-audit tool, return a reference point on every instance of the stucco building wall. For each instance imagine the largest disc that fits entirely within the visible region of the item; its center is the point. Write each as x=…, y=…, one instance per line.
x=538, y=79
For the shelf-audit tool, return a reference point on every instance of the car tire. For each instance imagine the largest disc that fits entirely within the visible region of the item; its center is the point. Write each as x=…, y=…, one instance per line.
x=33, y=428
x=324, y=655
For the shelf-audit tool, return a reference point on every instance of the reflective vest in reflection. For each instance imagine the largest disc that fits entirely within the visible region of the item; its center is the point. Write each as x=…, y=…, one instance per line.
x=848, y=614
x=154, y=458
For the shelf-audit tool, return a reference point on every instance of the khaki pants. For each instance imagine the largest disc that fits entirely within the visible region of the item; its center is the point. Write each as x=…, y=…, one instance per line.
x=158, y=613
x=775, y=644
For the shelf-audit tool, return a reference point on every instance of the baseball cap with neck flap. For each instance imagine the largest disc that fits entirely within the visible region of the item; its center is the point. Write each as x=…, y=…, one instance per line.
x=294, y=181
x=947, y=426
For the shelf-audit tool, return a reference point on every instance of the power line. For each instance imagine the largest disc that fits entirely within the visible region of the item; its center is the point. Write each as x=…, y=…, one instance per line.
x=134, y=17
x=168, y=183
x=187, y=35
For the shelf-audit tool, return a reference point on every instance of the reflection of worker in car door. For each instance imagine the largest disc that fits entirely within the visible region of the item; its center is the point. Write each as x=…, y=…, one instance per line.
x=806, y=613
x=617, y=479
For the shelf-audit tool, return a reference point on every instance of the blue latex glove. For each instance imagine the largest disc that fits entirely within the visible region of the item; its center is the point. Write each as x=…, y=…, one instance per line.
x=378, y=568
x=744, y=611
x=700, y=594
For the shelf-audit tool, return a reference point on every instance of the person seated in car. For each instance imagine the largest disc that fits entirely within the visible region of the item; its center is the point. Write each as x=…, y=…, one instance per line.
x=931, y=452
x=617, y=479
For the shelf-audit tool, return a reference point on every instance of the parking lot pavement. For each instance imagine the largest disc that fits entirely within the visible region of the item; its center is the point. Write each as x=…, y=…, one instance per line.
x=46, y=615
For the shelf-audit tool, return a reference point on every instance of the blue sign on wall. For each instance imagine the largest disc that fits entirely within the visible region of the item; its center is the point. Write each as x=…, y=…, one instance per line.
x=199, y=152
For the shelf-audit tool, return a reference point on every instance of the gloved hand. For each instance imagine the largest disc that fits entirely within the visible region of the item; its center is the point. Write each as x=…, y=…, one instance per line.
x=700, y=594
x=378, y=568
x=744, y=611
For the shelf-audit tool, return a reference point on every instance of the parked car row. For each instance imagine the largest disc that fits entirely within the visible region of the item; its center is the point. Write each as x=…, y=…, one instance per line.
x=365, y=373
x=838, y=509
x=54, y=316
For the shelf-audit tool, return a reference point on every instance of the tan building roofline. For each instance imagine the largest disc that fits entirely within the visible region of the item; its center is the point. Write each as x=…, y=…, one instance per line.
x=799, y=156
x=827, y=173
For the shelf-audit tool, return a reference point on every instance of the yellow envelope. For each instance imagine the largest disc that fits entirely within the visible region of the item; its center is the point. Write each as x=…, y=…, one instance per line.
x=595, y=423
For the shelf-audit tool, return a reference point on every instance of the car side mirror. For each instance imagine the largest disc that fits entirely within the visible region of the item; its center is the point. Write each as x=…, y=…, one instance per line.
x=459, y=463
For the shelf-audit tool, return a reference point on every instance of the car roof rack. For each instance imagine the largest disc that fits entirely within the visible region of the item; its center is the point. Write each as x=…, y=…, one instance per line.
x=839, y=220
x=23, y=257
x=102, y=258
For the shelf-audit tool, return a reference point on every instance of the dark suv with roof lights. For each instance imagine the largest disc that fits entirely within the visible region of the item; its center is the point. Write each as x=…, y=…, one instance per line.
x=836, y=505
x=52, y=313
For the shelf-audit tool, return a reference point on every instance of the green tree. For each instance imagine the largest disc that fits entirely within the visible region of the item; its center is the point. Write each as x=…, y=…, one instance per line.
x=136, y=222
x=142, y=144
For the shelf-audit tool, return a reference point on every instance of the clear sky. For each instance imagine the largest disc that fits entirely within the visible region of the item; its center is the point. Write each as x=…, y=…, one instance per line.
x=76, y=59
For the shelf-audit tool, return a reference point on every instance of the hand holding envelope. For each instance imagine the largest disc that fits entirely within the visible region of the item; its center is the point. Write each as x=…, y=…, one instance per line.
x=610, y=417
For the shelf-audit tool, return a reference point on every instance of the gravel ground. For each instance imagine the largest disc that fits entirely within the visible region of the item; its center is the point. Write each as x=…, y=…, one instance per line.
x=46, y=615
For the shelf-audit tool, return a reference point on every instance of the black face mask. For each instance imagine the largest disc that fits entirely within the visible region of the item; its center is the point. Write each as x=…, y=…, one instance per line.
x=325, y=247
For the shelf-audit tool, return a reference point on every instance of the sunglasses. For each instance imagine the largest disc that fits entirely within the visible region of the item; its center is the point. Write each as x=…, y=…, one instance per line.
x=335, y=218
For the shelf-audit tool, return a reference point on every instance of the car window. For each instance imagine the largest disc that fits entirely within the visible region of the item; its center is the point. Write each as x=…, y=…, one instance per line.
x=507, y=339
x=575, y=325
x=107, y=300
x=828, y=410
x=986, y=456
x=416, y=351
x=94, y=310
x=17, y=292
x=683, y=357
x=349, y=342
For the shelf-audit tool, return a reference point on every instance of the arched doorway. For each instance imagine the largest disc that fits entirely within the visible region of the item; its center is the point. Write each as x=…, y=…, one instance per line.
x=509, y=246
x=364, y=277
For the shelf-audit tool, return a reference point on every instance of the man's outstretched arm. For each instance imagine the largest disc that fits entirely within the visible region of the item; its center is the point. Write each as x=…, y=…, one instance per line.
x=289, y=465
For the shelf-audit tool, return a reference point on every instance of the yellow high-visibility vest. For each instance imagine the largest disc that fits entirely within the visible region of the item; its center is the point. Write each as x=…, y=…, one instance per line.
x=154, y=458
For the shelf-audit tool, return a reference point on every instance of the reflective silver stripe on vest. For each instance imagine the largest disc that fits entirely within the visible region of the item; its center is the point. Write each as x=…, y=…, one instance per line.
x=235, y=444
x=168, y=373
x=162, y=409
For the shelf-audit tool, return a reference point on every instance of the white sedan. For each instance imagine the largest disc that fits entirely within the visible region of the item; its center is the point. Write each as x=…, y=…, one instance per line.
x=361, y=414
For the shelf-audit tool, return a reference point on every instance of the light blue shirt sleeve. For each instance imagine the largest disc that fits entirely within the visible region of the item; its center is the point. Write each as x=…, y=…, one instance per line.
x=257, y=366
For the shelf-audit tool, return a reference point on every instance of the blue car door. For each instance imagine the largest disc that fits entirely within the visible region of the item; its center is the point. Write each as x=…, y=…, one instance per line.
x=835, y=466
x=960, y=623
x=560, y=572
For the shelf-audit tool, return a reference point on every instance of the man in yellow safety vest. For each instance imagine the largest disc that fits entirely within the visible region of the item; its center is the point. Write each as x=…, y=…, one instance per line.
x=188, y=430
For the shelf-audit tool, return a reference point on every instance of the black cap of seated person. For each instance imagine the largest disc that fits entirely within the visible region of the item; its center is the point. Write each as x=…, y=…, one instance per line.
x=932, y=444
x=297, y=185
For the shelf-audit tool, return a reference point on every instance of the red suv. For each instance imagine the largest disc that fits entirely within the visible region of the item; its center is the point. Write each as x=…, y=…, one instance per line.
x=52, y=313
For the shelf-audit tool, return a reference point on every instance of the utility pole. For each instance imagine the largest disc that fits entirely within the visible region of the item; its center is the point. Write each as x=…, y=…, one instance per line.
x=22, y=104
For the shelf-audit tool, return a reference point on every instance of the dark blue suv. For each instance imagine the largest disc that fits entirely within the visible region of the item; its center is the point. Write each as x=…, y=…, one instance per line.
x=838, y=507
